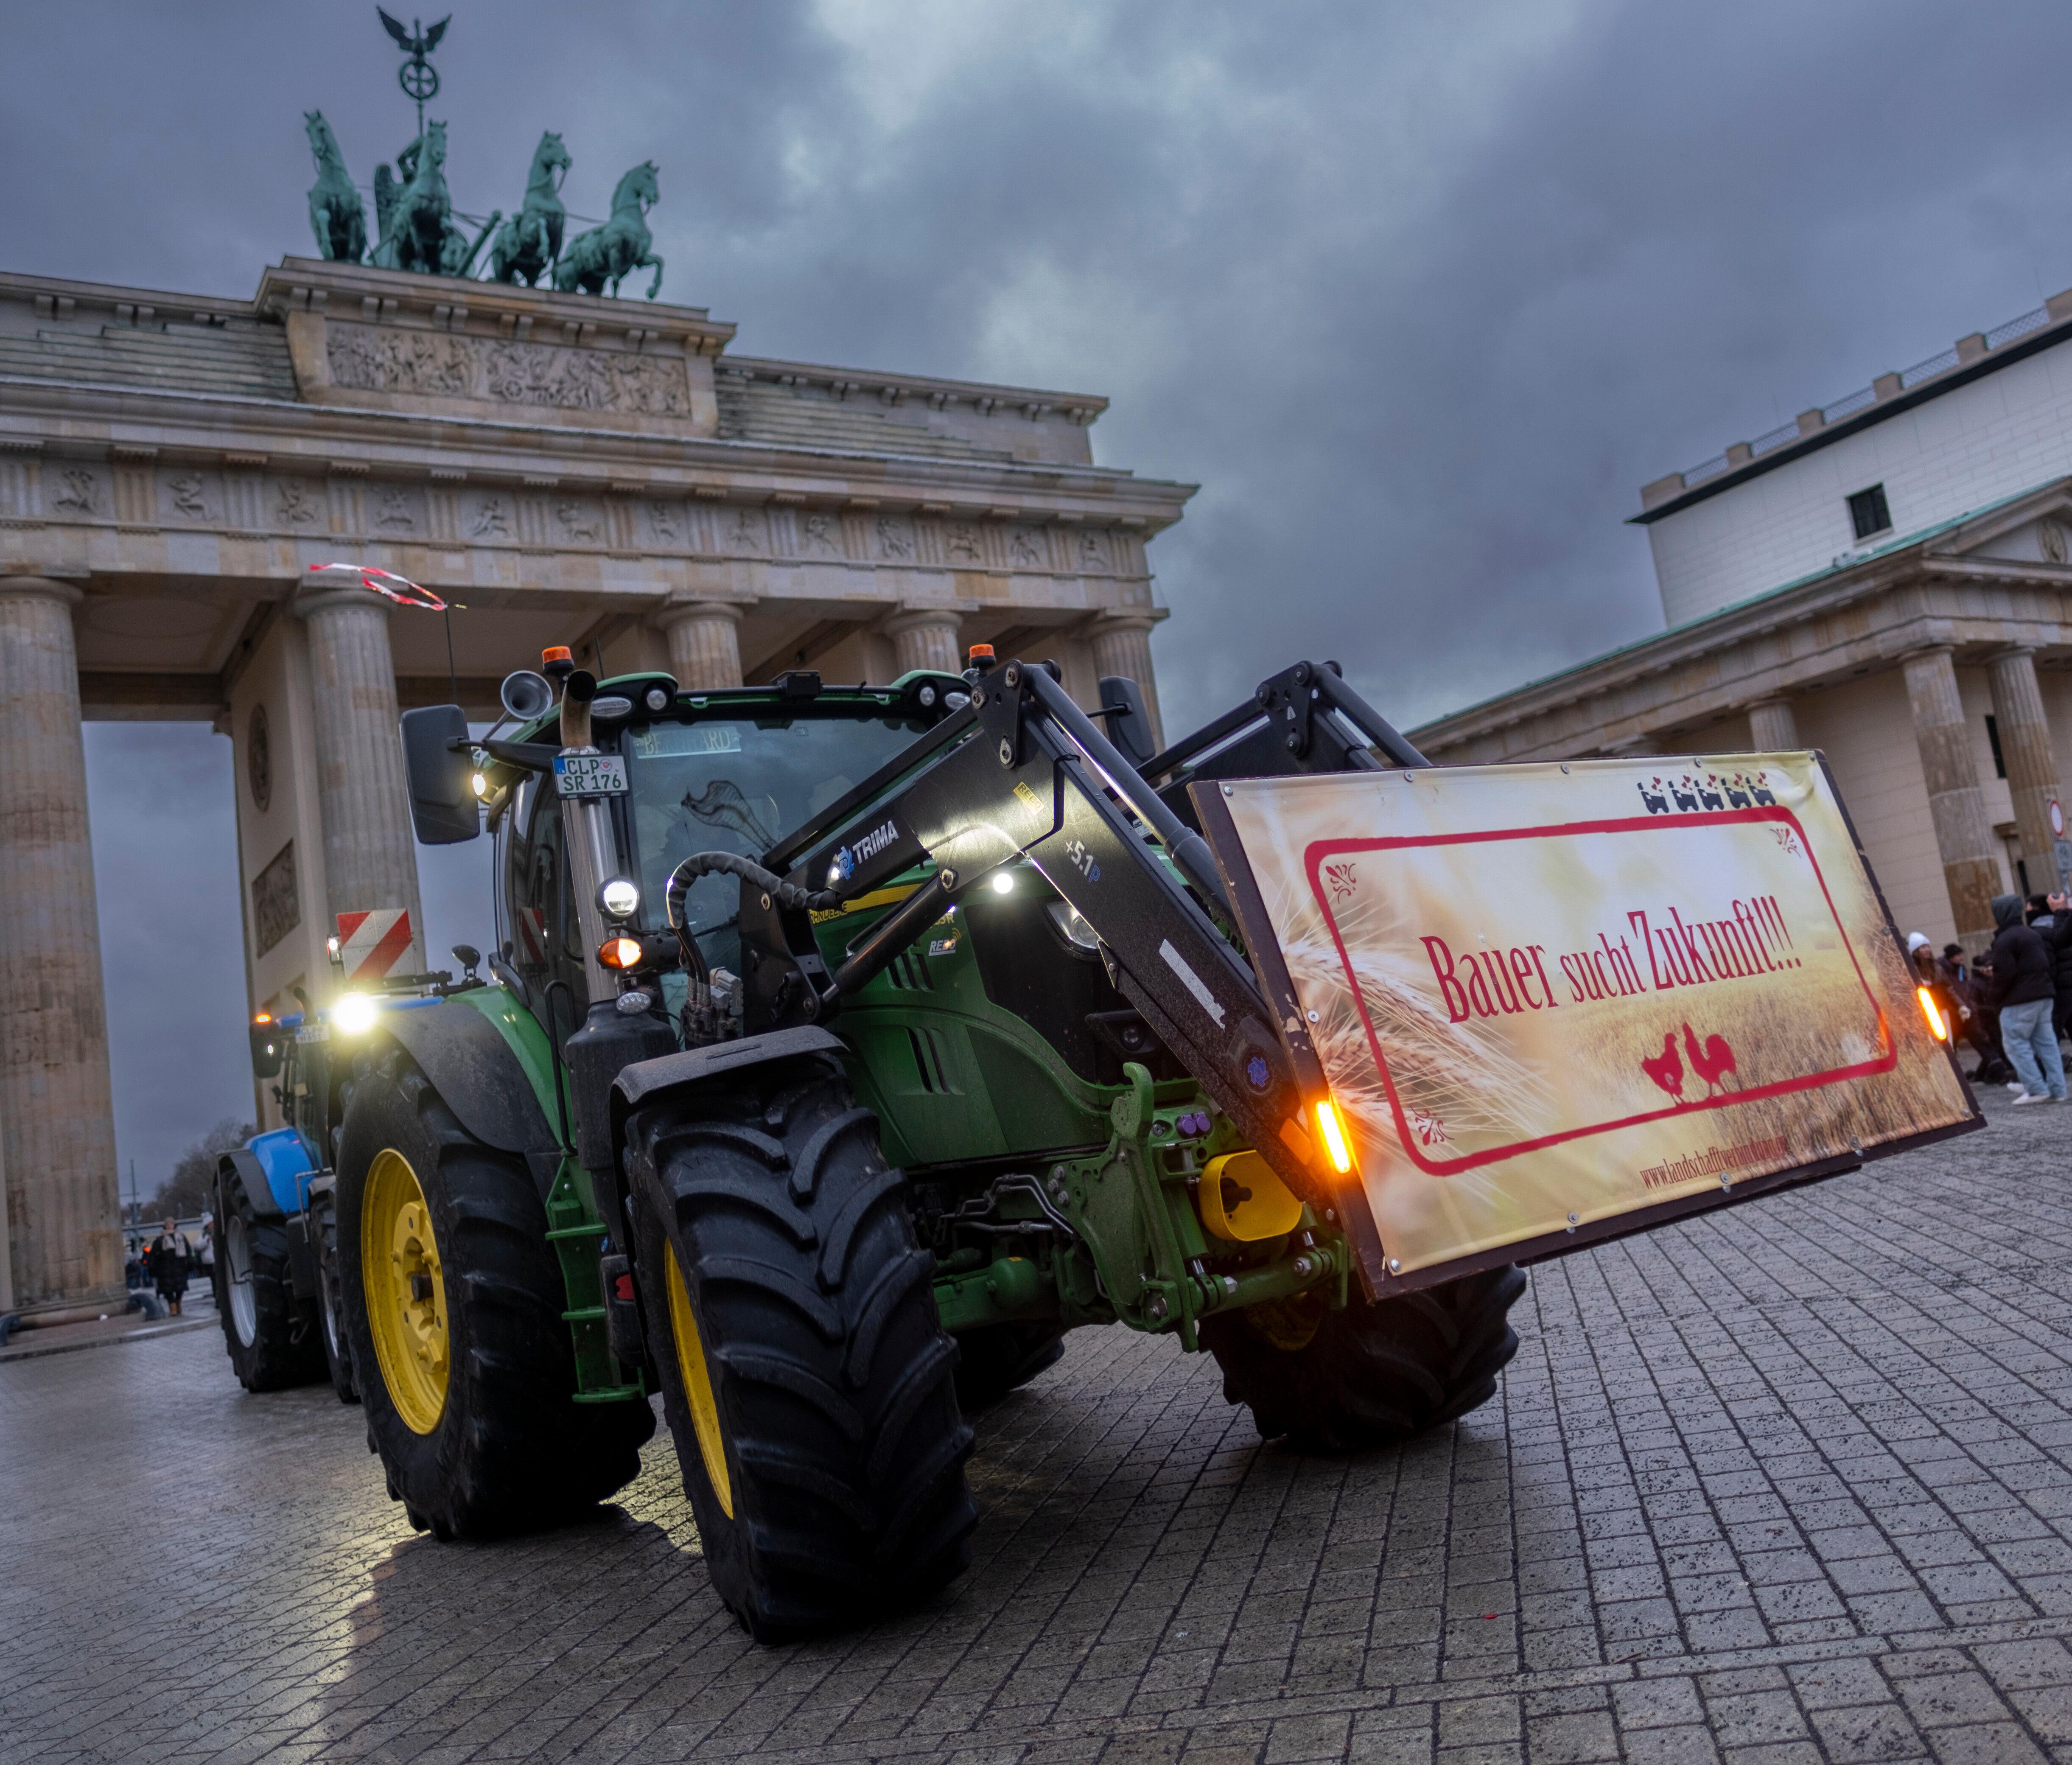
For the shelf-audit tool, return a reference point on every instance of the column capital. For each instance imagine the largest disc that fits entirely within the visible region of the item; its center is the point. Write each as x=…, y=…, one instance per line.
x=40, y=588
x=2009, y=652
x=915, y=618
x=673, y=611
x=1124, y=618
x=331, y=600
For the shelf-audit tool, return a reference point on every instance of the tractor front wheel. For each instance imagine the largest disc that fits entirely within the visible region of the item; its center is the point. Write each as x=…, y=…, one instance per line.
x=805, y=1376
x=453, y=1317
x=1369, y=1374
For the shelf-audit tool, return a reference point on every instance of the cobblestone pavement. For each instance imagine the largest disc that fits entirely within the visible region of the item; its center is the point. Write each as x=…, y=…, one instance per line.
x=1791, y=1483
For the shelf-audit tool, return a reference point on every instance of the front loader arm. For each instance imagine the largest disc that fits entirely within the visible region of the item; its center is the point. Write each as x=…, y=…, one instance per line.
x=1034, y=779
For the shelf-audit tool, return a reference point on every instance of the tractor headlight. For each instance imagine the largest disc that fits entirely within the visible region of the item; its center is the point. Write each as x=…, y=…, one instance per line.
x=656, y=698
x=620, y=898
x=353, y=1014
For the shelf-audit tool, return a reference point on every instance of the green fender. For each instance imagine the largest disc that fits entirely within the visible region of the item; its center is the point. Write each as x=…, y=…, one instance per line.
x=487, y=1057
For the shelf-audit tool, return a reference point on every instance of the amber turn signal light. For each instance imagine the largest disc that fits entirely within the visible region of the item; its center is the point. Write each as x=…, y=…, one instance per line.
x=1938, y=1024
x=620, y=953
x=1334, y=1133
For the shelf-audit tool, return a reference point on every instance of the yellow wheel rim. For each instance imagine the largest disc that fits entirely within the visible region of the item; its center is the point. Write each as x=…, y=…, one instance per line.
x=698, y=1387
x=406, y=1295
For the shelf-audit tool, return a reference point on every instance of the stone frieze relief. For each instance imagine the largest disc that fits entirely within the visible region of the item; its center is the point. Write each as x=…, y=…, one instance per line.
x=430, y=365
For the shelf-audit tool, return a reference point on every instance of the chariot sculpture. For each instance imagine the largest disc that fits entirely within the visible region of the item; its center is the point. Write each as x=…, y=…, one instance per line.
x=415, y=228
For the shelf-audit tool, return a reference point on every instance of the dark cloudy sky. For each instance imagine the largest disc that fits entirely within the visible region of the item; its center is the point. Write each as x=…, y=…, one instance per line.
x=1419, y=295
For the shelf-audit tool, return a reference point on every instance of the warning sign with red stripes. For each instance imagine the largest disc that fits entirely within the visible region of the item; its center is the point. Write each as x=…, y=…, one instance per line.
x=372, y=943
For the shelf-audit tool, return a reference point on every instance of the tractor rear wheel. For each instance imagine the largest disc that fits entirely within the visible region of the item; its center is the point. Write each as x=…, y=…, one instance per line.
x=1370, y=1375
x=453, y=1315
x=805, y=1376
x=273, y=1342
x=330, y=1302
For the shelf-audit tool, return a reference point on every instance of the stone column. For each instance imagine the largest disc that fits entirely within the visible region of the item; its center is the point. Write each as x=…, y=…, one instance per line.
x=705, y=643
x=57, y=1128
x=2032, y=769
x=1963, y=836
x=1122, y=645
x=1772, y=727
x=363, y=799
x=926, y=637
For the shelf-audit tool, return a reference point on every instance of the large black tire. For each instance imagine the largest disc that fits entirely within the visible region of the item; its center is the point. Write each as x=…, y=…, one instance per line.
x=272, y=1338
x=781, y=1286
x=505, y=1448
x=1370, y=1375
x=331, y=1302
x=996, y=1359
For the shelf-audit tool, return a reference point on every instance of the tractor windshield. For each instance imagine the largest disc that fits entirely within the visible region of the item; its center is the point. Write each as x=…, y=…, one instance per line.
x=739, y=785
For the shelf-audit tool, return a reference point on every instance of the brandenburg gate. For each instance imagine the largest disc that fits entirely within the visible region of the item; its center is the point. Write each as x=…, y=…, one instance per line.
x=565, y=468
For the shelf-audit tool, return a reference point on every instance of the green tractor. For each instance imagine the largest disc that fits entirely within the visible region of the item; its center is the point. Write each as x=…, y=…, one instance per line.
x=845, y=1046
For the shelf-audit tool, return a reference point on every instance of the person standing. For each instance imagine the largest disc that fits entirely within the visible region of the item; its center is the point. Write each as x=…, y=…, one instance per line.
x=2059, y=938
x=2024, y=988
x=171, y=1259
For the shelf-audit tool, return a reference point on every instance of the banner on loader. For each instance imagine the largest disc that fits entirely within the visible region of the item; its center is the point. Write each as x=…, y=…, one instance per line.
x=1555, y=1002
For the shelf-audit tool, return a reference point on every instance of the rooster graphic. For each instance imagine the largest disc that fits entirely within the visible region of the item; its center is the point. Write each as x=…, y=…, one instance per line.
x=1666, y=1068
x=1428, y=1127
x=1712, y=1062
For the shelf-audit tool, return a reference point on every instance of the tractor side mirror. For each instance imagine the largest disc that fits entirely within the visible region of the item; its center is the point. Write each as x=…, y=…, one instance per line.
x=441, y=771
x=267, y=1042
x=1122, y=709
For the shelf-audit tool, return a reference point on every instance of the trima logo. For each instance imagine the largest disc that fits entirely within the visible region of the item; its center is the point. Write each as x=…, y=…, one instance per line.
x=850, y=858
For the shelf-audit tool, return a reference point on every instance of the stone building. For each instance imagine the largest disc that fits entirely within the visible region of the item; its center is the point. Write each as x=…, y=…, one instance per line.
x=570, y=469
x=1885, y=579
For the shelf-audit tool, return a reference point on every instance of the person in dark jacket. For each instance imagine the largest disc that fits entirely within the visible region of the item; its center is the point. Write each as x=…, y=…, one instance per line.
x=2024, y=989
x=2059, y=937
x=1980, y=1025
x=171, y=1259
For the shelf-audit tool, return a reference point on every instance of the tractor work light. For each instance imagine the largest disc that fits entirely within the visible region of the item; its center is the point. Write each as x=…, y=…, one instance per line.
x=621, y=953
x=656, y=698
x=353, y=1014
x=1938, y=1025
x=1334, y=1133
x=1003, y=881
x=478, y=782
x=332, y=953
x=620, y=898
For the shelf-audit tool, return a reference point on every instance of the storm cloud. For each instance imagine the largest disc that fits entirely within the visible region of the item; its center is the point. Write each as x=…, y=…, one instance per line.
x=1419, y=295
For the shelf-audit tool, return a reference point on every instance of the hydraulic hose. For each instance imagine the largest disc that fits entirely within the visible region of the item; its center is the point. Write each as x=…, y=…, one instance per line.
x=700, y=864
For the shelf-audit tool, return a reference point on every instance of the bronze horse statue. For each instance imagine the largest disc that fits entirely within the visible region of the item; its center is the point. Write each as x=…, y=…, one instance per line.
x=622, y=245
x=416, y=216
x=528, y=244
x=337, y=215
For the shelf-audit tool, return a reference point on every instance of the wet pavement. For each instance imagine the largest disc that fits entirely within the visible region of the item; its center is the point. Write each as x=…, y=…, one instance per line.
x=1791, y=1483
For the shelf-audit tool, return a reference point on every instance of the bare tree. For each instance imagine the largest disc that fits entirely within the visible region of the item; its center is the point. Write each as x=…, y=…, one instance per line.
x=187, y=1191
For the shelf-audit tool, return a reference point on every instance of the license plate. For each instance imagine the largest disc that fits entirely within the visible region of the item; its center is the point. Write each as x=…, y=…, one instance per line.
x=589, y=774
x=313, y=1032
